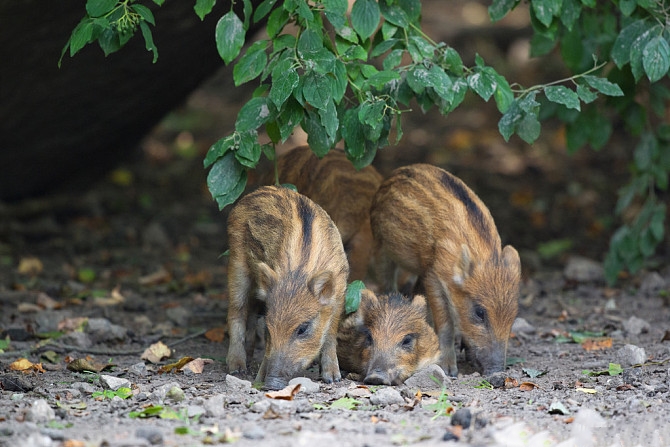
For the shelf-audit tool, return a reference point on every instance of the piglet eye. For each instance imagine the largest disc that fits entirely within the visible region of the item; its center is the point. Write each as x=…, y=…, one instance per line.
x=367, y=335
x=480, y=313
x=408, y=341
x=303, y=329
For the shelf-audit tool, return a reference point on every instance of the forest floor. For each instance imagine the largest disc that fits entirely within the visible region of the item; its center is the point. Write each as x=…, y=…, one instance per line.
x=136, y=260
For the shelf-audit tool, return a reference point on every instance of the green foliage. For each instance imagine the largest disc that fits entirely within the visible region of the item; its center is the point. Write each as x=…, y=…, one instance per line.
x=347, y=78
x=353, y=296
x=614, y=369
x=123, y=393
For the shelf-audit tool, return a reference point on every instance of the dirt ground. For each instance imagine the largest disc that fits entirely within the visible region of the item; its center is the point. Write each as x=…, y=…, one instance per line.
x=138, y=256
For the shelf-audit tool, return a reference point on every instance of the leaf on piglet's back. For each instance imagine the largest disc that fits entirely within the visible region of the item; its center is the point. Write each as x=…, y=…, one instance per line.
x=287, y=393
x=156, y=352
x=179, y=364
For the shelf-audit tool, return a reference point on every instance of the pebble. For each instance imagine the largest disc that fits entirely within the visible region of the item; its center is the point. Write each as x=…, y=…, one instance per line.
x=214, y=406
x=11, y=382
x=358, y=393
x=78, y=339
x=138, y=369
x=101, y=330
x=179, y=315
x=583, y=270
x=160, y=393
x=153, y=435
x=36, y=440
x=175, y=394
x=630, y=355
x=651, y=284
x=254, y=432
x=237, y=384
x=424, y=379
x=386, y=396
x=307, y=385
x=278, y=406
x=497, y=380
x=195, y=410
x=113, y=383
x=40, y=412
x=462, y=417
x=636, y=326
x=83, y=387
x=522, y=326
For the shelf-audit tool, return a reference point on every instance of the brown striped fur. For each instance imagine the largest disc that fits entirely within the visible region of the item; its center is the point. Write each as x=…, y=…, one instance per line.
x=285, y=251
x=431, y=224
x=342, y=191
x=387, y=339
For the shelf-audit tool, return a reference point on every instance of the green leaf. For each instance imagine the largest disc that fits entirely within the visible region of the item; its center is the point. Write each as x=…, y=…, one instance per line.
x=627, y=7
x=393, y=59
x=251, y=65
x=317, y=137
x=500, y=8
x=353, y=133
x=365, y=16
x=614, y=369
x=381, y=78
x=533, y=373
x=453, y=61
x=276, y=22
x=482, y=84
x=622, y=45
x=203, y=7
x=394, y=14
x=309, y=42
x=441, y=83
x=339, y=81
x=80, y=36
x=345, y=403
x=637, y=51
x=230, y=35
x=656, y=58
x=586, y=94
x=353, y=296
x=263, y=9
x=603, y=85
x=97, y=8
x=249, y=150
x=252, y=115
x=109, y=41
x=148, y=40
x=284, y=80
x=218, y=150
x=226, y=180
x=570, y=13
x=545, y=10
x=291, y=115
x=503, y=94
x=145, y=13
x=383, y=47
x=562, y=95
x=329, y=120
x=317, y=89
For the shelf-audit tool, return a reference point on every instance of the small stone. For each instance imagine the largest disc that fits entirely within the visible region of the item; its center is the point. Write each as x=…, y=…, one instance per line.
x=581, y=269
x=588, y=418
x=480, y=422
x=651, y=284
x=36, y=440
x=237, y=384
x=138, y=369
x=113, y=383
x=358, y=393
x=277, y=406
x=636, y=326
x=179, y=315
x=153, y=435
x=497, y=380
x=83, y=387
x=175, y=393
x=215, y=406
x=40, y=412
x=195, y=410
x=386, y=396
x=424, y=379
x=76, y=338
x=307, y=386
x=101, y=330
x=631, y=355
x=462, y=417
x=449, y=436
x=11, y=382
x=522, y=326
x=380, y=430
x=160, y=393
x=254, y=432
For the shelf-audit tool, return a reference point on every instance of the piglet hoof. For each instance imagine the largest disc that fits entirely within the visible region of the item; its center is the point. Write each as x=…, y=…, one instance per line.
x=330, y=377
x=450, y=370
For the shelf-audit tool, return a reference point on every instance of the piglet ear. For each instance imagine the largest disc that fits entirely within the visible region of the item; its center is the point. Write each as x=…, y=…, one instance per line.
x=511, y=260
x=463, y=266
x=419, y=302
x=368, y=300
x=321, y=286
x=267, y=278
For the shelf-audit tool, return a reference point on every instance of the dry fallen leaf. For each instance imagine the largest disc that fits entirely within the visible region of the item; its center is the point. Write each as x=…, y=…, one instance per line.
x=156, y=352
x=197, y=365
x=528, y=386
x=157, y=277
x=26, y=308
x=88, y=364
x=114, y=298
x=46, y=302
x=216, y=334
x=587, y=390
x=511, y=382
x=179, y=364
x=569, y=420
x=284, y=394
x=73, y=324
x=73, y=443
x=595, y=344
x=26, y=366
x=30, y=266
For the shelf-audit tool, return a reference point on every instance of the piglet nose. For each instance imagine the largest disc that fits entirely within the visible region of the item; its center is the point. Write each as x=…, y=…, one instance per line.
x=377, y=377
